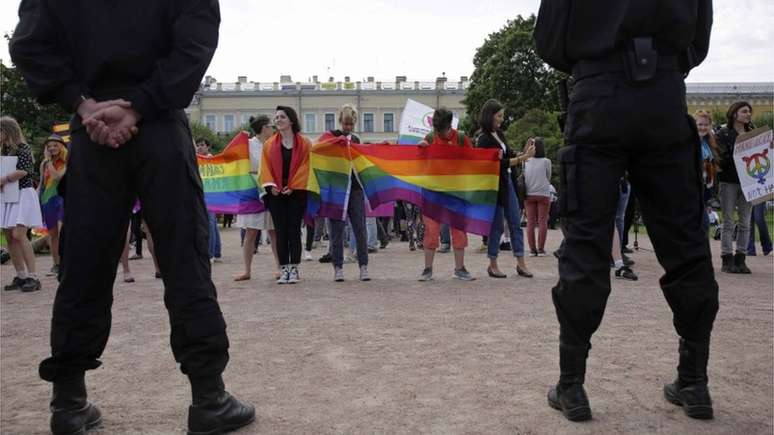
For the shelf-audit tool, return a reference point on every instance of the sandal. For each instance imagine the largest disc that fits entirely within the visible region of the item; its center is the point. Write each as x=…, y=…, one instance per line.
x=492, y=273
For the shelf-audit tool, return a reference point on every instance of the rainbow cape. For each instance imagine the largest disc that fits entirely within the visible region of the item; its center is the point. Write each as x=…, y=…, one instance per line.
x=453, y=185
x=229, y=187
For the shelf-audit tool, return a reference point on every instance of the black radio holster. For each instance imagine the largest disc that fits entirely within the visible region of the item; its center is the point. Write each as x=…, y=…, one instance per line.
x=640, y=60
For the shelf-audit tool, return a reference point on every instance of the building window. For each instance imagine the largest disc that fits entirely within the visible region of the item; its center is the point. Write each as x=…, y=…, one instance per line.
x=245, y=119
x=209, y=121
x=368, y=123
x=330, y=121
x=389, y=122
x=310, y=122
x=228, y=123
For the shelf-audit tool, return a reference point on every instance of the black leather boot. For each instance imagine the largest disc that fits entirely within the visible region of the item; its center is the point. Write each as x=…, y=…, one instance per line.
x=739, y=262
x=728, y=264
x=71, y=413
x=568, y=395
x=214, y=411
x=690, y=390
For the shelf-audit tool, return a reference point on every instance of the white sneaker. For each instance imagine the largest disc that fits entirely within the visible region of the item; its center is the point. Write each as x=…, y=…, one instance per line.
x=293, y=275
x=307, y=255
x=338, y=274
x=284, y=275
x=364, y=273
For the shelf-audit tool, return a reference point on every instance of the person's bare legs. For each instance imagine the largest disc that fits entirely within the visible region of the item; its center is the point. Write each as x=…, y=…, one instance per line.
x=459, y=259
x=53, y=243
x=430, y=256
x=24, y=247
x=17, y=258
x=273, y=237
x=125, y=259
x=248, y=248
x=149, y=242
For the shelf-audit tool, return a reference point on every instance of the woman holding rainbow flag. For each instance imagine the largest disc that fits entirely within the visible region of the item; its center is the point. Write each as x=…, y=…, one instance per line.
x=52, y=169
x=284, y=174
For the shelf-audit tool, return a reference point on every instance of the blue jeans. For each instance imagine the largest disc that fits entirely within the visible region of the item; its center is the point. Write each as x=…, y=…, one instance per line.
x=758, y=218
x=445, y=234
x=214, y=236
x=512, y=214
x=620, y=211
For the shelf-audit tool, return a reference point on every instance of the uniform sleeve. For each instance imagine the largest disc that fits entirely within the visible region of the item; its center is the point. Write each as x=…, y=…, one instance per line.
x=177, y=76
x=550, y=33
x=37, y=51
x=703, y=28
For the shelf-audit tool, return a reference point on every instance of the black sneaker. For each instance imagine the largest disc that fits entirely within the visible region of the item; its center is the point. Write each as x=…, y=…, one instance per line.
x=627, y=261
x=15, y=284
x=326, y=258
x=626, y=273
x=30, y=285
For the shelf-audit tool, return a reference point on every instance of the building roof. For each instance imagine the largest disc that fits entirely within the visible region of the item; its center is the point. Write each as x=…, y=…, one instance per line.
x=754, y=88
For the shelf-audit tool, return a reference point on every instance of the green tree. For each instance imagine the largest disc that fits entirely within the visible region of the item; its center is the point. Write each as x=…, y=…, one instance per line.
x=764, y=119
x=35, y=119
x=538, y=123
x=508, y=69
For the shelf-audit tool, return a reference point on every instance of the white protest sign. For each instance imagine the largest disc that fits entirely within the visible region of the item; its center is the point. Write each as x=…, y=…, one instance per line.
x=10, y=191
x=416, y=122
x=752, y=157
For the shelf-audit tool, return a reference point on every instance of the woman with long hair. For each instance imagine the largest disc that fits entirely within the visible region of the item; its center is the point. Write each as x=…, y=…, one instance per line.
x=537, y=176
x=255, y=222
x=710, y=152
x=52, y=169
x=284, y=173
x=490, y=120
x=17, y=215
x=732, y=199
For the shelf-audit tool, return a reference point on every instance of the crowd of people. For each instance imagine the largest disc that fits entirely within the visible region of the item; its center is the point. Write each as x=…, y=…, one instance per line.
x=279, y=156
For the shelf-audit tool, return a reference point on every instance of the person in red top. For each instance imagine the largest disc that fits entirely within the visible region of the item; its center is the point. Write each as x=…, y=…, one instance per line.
x=444, y=135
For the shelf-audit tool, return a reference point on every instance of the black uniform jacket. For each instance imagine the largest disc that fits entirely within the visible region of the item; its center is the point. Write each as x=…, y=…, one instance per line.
x=152, y=53
x=570, y=30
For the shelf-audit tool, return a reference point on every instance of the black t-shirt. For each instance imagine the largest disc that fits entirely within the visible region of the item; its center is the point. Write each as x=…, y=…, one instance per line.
x=25, y=162
x=287, y=157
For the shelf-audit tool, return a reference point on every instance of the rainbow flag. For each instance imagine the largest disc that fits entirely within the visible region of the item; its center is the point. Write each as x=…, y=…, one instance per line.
x=229, y=187
x=329, y=182
x=453, y=185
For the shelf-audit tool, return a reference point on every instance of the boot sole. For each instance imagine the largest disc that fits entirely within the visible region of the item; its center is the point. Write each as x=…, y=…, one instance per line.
x=224, y=429
x=700, y=412
x=82, y=431
x=581, y=413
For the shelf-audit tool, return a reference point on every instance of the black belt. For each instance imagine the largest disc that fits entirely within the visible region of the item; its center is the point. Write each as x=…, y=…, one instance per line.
x=615, y=63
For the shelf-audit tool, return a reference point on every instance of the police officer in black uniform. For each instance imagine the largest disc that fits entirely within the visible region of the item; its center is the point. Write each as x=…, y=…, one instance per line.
x=127, y=69
x=627, y=112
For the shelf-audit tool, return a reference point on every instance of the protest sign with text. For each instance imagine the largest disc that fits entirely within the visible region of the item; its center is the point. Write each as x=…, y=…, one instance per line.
x=752, y=157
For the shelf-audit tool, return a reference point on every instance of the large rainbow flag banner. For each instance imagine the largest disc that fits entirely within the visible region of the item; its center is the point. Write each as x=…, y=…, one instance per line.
x=453, y=185
x=229, y=187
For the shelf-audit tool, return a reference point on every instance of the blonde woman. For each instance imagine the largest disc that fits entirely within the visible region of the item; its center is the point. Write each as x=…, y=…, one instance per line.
x=52, y=169
x=17, y=216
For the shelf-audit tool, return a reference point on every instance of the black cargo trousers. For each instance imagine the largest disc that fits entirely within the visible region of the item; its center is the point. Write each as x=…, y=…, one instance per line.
x=159, y=167
x=615, y=126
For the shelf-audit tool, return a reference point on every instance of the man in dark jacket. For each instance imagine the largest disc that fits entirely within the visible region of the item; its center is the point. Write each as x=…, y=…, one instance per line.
x=127, y=69
x=628, y=59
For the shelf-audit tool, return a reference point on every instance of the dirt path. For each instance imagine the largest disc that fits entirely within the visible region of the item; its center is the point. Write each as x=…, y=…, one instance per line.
x=398, y=356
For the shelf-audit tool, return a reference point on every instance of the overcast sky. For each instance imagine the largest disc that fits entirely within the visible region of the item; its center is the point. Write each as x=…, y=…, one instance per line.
x=379, y=38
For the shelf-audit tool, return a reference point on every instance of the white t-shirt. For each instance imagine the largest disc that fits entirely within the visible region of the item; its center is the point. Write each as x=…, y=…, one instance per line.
x=256, y=149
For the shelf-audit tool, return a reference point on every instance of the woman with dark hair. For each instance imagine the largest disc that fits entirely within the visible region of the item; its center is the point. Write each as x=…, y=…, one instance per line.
x=738, y=121
x=490, y=120
x=284, y=173
x=537, y=177
x=255, y=222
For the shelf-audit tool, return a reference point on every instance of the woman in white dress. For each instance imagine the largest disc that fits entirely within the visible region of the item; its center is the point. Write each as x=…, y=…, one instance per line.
x=19, y=214
x=252, y=223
